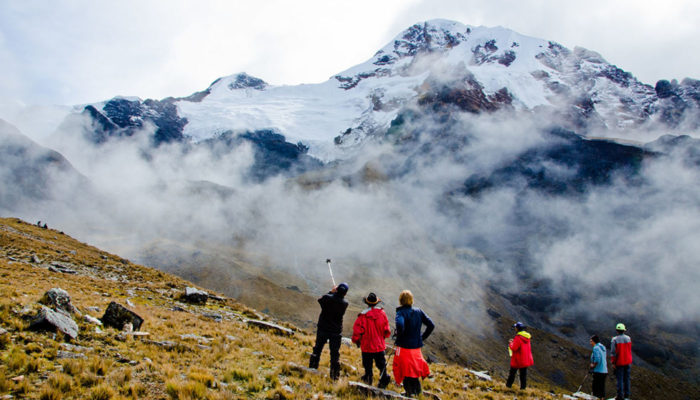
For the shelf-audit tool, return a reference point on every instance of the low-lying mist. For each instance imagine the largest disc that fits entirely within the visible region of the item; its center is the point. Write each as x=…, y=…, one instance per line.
x=396, y=211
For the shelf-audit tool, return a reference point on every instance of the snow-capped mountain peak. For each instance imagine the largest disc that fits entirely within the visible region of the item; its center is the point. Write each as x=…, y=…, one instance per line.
x=486, y=68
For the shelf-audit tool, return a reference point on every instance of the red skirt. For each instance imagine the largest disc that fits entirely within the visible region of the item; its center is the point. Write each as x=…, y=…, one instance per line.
x=409, y=363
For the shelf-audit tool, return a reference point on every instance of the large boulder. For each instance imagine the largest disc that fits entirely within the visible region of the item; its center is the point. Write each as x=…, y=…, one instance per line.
x=117, y=316
x=195, y=296
x=59, y=300
x=49, y=320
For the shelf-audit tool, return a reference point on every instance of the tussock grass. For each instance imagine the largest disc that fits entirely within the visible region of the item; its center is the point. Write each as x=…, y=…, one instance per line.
x=4, y=383
x=22, y=388
x=101, y=392
x=61, y=382
x=50, y=394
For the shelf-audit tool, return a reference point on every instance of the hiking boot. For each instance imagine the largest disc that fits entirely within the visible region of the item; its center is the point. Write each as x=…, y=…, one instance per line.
x=384, y=381
x=335, y=372
x=367, y=379
x=313, y=361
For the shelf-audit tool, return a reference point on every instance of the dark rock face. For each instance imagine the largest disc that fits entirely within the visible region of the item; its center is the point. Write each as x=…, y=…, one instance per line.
x=123, y=118
x=49, y=320
x=116, y=316
x=488, y=53
x=617, y=75
x=425, y=38
x=464, y=93
x=664, y=89
x=588, y=162
x=678, y=104
x=273, y=154
x=32, y=171
x=246, y=81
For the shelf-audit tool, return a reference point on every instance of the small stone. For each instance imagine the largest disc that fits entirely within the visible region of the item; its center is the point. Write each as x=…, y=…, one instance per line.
x=62, y=355
x=280, y=330
x=215, y=316
x=91, y=319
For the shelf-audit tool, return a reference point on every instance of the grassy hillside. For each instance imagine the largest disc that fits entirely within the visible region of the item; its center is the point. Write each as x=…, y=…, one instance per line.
x=191, y=351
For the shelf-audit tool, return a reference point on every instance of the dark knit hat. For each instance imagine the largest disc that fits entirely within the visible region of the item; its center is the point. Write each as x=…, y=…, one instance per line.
x=342, y=289
x=371, y=299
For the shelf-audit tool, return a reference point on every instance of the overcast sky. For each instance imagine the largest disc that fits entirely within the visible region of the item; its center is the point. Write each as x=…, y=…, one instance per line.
x=72, y=52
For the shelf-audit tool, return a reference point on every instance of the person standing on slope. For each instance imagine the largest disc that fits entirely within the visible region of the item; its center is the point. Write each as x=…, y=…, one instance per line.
x=621, y=359
x=369, y=332
x=409, y=364
x=599, y=367
x=330, y=327
x=520, y=355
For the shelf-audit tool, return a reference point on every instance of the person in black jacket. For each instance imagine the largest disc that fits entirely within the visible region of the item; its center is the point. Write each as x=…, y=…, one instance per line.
x=330, y=327
x=409, y=364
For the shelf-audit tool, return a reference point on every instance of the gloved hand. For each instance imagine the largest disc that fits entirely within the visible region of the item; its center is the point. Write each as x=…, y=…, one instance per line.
x=357, y=344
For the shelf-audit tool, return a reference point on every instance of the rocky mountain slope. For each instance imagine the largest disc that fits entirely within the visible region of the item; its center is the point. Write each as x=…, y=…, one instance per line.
x=34, y=173
x=202, y=347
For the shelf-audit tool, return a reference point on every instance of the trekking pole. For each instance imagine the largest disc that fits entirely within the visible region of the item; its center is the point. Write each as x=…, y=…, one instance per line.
x=581, y=385
x=328, y=261
x=386, y=366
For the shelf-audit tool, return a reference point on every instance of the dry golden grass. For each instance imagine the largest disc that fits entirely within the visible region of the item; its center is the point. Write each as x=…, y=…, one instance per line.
x=226, y=359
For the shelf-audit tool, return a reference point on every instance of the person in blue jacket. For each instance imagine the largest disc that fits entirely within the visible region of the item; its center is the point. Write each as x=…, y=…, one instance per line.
x=599, y=367
x=409, y=365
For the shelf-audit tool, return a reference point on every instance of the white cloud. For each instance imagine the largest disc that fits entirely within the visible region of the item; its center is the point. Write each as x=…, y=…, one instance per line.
x=69, y=52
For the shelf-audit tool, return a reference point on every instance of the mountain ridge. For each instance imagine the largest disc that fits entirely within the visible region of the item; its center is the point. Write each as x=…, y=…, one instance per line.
x=577, y=87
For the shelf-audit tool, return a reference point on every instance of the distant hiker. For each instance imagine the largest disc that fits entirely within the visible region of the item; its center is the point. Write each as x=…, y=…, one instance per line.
x=621, y=359
x=38, y=223
x=520, y=355
x=45, y=226
x=330, y=327
x=409, y=364
x=370, y=330
x=599, y=367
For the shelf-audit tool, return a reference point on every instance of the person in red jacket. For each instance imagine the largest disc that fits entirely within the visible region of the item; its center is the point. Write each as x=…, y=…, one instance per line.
x=370, y=330
x=621, y=359
x=520, y=355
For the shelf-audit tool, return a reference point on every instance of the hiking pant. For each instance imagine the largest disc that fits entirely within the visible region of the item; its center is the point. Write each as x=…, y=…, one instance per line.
x=333, y=340
x=599, y=384
x=412, y=386
x=622, y=373
x=523, y=377
x=368, y=360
